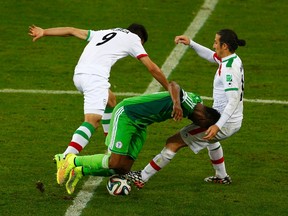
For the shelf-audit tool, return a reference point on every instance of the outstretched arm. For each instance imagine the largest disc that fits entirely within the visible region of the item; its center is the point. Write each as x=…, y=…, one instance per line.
x=202, y=51
x=155, y=71
x=38, y=32
x=182, y=39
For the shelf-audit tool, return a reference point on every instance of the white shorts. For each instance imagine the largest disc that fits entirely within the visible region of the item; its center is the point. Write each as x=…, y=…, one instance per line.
x=95, y=90
x=193, y=135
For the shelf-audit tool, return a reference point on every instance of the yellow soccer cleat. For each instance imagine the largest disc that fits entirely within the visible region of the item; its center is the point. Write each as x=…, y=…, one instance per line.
x=58, y=159
x=74, y=177
x=65, y=168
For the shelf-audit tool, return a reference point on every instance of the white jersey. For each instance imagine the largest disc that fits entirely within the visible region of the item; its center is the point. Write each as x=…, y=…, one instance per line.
x=105, y=47
x=228, y=86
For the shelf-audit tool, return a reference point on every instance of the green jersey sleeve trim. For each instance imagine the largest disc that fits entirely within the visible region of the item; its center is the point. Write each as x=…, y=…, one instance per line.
x=189, y=100
x=88, y=36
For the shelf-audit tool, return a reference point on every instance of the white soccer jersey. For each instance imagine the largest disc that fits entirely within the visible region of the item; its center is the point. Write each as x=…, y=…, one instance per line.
x=228, y=89
x=105, y=47
x=228, y=86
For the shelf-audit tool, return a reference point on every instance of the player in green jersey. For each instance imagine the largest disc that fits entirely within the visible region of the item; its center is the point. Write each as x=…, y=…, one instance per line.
x=127, y=133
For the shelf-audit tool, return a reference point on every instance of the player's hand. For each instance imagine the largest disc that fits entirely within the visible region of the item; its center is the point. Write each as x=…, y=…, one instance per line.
x=36, y=32
x=177, y=113
x=182, y=39
x=211, y=132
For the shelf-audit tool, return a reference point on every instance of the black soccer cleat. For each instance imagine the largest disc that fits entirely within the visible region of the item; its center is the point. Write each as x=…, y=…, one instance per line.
x=136, y=178
x=215, y=179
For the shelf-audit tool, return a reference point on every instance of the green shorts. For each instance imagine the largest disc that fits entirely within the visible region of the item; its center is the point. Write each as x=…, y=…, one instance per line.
x=125, y=137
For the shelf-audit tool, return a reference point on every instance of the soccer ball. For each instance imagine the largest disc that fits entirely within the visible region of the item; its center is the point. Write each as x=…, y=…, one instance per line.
x=118, y=185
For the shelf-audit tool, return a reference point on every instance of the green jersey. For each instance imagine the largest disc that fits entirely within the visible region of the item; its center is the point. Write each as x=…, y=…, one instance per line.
x=128, y=129
x=147, y=109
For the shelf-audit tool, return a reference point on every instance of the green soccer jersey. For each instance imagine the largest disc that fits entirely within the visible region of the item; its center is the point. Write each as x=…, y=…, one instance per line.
x=157, y=107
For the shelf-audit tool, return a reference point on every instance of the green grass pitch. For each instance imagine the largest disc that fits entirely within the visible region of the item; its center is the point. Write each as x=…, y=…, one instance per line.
x=34, y=127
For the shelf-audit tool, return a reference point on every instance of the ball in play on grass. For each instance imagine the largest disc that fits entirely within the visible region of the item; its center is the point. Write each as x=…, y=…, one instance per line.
x=118, y=185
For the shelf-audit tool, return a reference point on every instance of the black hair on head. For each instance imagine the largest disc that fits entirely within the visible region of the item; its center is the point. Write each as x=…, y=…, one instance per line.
x=212, y=115
x=229, y=37
x=139, y=30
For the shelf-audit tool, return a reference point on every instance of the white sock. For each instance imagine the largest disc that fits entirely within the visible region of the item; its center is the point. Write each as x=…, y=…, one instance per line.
x=215, y=153
x=157, y=163
x=80, y=138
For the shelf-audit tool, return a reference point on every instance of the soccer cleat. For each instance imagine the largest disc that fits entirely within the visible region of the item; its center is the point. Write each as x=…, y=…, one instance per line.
x=58, y=159
x=65, y=168
x=74, y=177
x=215, y=179
x=136, y=178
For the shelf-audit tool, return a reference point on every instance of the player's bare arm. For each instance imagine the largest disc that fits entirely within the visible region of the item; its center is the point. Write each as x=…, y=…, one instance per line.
x=155, y=71
x=38, y=32
x=174, y=90
x=160, y=77
x=182, y=39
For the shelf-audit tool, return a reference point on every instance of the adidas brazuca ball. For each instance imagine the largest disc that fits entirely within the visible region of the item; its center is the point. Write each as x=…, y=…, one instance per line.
x=118, y=185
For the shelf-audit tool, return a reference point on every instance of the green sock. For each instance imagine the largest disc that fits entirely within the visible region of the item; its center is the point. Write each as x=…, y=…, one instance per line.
x=98, y=172
x=94, y=162
x=96, y=165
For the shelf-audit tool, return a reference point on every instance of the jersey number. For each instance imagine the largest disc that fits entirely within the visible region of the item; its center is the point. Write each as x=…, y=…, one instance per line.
x=106, y=38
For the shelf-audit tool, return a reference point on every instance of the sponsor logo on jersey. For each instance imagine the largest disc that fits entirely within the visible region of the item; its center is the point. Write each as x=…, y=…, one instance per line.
x=228, y=77
x=119, y=145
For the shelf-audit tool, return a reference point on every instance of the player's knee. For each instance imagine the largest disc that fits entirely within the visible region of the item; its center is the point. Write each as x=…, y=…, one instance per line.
x=114, y=162
x=93, y=119
x=120, y=164
x=214, y=146
x=175, y=142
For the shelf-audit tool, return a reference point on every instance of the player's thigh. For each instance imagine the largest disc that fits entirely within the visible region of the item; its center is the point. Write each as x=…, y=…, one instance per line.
x=95, y=93
x=228, y=130
x=121, y=133
x=192, y=135
x=137, y=141
x=175, y=142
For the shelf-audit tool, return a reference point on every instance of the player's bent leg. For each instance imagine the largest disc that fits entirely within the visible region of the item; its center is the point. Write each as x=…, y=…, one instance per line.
x=173, y=144
x=80, y=138
x=93, y=119
x=120, y=163
x=215, y=153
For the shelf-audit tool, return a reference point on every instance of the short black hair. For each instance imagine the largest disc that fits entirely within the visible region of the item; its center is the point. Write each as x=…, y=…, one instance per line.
x=139, y=30
x=204, y=116
x=212, y=116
